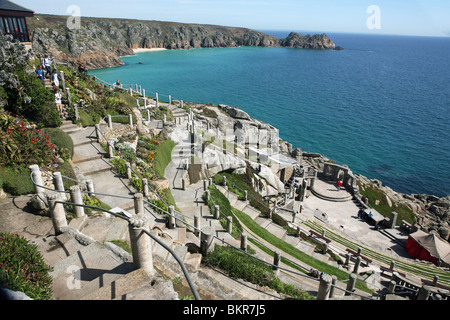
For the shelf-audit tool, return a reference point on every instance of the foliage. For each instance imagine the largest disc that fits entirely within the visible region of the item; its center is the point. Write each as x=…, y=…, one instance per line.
x=16, y=180
x=163, y=157
x=119, y=166
x=22, y=144
x=22, y=268
x=23, y=91
x=240, y=265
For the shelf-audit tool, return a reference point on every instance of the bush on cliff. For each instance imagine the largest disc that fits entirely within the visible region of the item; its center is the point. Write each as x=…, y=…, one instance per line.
x=23, y=92
x=22, y=268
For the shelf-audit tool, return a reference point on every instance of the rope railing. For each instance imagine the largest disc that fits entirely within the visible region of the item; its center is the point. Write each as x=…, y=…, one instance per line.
x=124, y=217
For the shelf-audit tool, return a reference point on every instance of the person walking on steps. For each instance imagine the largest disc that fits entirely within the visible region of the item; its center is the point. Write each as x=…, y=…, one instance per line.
x=40, y=74
x=58, y=101
x=47, y=64
x=55, y=78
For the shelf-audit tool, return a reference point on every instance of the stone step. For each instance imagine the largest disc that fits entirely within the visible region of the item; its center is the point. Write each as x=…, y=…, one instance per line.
x=87, y=152
x=93, y=166
x=89, y=264
x=106, y=228
x=54, y=249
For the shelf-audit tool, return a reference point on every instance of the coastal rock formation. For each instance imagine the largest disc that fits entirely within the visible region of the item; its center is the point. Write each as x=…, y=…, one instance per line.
x=100, y=42
x=296, y=40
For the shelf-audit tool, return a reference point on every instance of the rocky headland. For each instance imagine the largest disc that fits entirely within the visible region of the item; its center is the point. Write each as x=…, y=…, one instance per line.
x=100, y=42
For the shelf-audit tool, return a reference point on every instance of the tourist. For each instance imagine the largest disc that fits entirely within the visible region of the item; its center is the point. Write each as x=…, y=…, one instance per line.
x=339, y=185
x=40, y=74
x=47, y=64
x=55, y=78
x=58, y=98
x=361, y=213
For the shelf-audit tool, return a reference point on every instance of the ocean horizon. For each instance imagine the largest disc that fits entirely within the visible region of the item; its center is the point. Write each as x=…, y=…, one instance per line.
x=381, y=106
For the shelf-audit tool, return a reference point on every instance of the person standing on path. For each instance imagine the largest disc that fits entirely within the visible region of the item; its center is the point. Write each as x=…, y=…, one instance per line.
x=58, y=98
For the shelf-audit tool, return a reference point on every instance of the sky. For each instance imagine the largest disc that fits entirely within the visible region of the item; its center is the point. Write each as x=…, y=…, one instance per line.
x=400, y=17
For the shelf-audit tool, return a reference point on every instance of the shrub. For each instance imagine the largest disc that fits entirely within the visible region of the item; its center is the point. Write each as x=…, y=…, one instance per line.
x=22, y=268
x=16, y=180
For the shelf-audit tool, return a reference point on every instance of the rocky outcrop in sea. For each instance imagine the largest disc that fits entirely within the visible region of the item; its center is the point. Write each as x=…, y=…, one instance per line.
x=100, y=42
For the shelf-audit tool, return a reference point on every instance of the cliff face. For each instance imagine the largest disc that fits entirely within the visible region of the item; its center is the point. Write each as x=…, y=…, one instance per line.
x=100, y=42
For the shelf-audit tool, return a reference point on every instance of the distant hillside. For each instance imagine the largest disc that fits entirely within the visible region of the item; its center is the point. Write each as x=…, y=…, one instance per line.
x=101, y=41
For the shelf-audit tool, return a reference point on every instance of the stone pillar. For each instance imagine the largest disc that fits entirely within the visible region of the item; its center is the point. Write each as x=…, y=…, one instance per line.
x=424, y=293
x=207, y=196
x=97, y=133
x=172, y=223
x=59, y=184
x=244, y=238
x=138, y=203
x=157, y=100
x=205, y=185
x=394, y=216
x=110, y=150
x=324, y=288
x=225, y=182
x=276, y=260
x=229, y=224
x=128, y=170
x=57, y=213
x=357, y=264
x=351, y=284
x=76, y=197
x=245, y=195
x=207, y=240
x=130, y=120
x=145, y=187
x=109, y=121
x=90, y=188
x=69, y=97
x=37, y=178
x=148, y=115
x=391, y=287
x=216, y=212
x=197, y=225
x=170, y=99
x=183, y=184
x=140, y=244
x=333, y=285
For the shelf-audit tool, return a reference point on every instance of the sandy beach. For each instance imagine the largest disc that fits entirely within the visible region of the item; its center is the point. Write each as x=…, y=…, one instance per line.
x=139, y=50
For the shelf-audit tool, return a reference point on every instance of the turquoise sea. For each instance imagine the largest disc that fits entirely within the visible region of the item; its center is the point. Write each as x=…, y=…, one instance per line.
x=381, y=106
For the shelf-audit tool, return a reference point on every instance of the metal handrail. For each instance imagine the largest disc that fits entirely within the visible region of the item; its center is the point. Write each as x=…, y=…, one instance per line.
x=183, y=267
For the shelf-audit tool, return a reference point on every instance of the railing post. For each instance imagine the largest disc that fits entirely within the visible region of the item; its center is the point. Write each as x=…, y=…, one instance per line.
x=351, y=284
x=205, y=185
x=157, y=100
x=276, y=260
x=197, y=225
x=97, y=133
x=207, y=241
x=244, y=238
x=138, y=203
x=424, y=293
x=130, y=120
x=128, y=170
x=172, y=223
x=225, y=182
x=145, y=187
x=37, y=178
x=110, y=150
x=183, y=184
x=216, y=212
x=75, y=196
x=324, y=288
x=59, y=184
x=229, y=224
x=109, y=121
x=140, y=244
x=57, y=213
x=207, y=196
x=357, y=264
x=333, y=284
x=245, y=195
x=90, y=187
